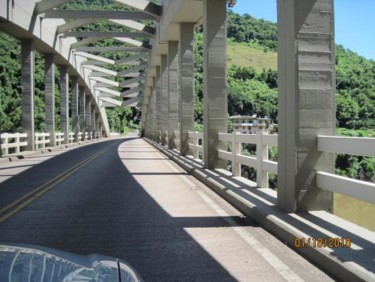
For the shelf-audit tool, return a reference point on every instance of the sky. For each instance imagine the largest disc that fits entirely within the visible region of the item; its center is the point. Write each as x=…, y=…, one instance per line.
x=354, y=21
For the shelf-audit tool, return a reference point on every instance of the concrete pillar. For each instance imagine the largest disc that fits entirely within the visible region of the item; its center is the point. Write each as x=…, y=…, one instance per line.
x=306, y=61
x=186, y=85
x=97, y=124
x=75, y=116
x=82, y=111
x=88, y=116
x=27, y=78
x=214, y=80
x=164, y=99
x=172, y=92
x=49, y=94
x=157, y=108
x=64, y=102
x=93, y=120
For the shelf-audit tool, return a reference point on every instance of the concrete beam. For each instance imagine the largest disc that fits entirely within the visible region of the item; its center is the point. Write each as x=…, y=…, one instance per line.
x=132, y=70
x=109, y=102
x=186, y=85
x=75, y=108
x=107, y=92
x=132, y=81
x=64, y=102
x=97, y=15
x=109, y=49
x=73, y=24
x=145, y=6
x=105, y=81
x=131, y=102
x=46, y=5
x=82, y=111
x=214, y=81
x=136, y=26
x=106, y=34
x=133, y=92
x=134, y=42
x=101, y=70
x=85, y=42
x=49, y=93
x=306, y=67
x=28, y=91
x=173, y=99
x=130, y=60
x=94, y=57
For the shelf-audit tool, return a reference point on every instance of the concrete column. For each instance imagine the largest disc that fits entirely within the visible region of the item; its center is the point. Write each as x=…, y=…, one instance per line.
x=306, y=61
x=75, y=116
x=49, y=94
x=186, y=85
x=82, y=111
x=93, y=120
x=172, y=92
x=164, y=99
x=214, y=80
x=64, y=102
x=97, y=124
x=157, y=109
x=88, y=115
x=27, y=78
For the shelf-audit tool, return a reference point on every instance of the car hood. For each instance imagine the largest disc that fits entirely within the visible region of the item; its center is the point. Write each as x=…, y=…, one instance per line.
x=32, y=263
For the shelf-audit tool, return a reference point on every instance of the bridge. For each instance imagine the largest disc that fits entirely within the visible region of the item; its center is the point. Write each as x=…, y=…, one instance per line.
x=84, y=191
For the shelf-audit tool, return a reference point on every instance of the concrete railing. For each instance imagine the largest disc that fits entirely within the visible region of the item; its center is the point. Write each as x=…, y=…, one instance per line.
x=260, y=161
x=196, y=144
x=59, y=138
x=357, y=189
x=13, y=141
x=41, y=140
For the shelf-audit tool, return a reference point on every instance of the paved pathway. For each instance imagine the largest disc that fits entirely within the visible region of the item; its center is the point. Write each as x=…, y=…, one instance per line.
x=125, y=199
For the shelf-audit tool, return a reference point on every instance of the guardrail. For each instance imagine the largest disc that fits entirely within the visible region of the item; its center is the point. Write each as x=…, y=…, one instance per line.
x=260, y=161
x=357, y=189
x=41, y=140
x=13, y=141
x=196, y=144
x=59, y=138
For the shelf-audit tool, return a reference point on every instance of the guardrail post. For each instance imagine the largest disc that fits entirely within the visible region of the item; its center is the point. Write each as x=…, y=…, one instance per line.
x=5, y=143
x=17, y=142
x=262, y=154
x=236, y=149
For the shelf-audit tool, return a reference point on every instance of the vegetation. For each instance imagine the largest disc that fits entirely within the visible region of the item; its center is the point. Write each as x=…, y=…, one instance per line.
x=252, y=83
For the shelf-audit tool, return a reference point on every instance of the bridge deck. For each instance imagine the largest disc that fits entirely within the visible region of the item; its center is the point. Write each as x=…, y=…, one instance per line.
x=132, y=202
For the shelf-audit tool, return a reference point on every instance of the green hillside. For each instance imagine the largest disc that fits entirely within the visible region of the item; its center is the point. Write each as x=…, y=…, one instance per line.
x=244, y=55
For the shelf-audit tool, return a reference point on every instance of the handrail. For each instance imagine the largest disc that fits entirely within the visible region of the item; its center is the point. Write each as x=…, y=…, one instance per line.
x=41, y=140
x=358, y=189
x=12, y=141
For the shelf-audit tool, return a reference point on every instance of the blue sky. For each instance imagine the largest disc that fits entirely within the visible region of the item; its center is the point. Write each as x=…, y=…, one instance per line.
x=354, y=21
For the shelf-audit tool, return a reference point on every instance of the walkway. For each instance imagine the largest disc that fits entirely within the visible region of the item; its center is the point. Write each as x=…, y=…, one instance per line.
x=134, y=203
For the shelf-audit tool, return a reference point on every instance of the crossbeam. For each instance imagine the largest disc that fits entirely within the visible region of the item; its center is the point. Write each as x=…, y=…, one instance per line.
x=132, y=60
x=143, y=5
x=105, y=34
x=101, y=70
x=109, y=49
x=46, y=5
x=73, y=24
x=131, y=81
x=131, y=102
x=97, y=15
x=94, y=57
x=132, y=92
x=131, y=70
x=109, y=91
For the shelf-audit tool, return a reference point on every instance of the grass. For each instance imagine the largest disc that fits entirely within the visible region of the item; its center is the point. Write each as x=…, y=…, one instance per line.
x=241, y=54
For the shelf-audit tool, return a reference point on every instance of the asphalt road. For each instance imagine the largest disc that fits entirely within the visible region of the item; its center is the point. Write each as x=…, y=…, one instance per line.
x=124, y=199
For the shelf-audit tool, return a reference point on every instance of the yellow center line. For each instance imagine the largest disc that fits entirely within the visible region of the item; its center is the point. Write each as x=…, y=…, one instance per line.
x=47, y=186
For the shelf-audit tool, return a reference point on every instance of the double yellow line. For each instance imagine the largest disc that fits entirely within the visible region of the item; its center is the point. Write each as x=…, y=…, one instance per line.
x=26, y=199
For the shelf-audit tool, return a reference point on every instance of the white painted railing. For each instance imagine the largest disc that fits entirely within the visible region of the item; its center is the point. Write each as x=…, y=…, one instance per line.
x=357, y=189
x=12, y=141
x=71, y=137
x=59, y=138
x=260, y=161
x=80, y=136
x=196, y=144
x=41, y=140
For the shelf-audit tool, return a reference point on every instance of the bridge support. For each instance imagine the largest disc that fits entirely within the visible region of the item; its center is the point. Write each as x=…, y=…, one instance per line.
x=186, y=85
x=75, y=115
x=173, y=95
x=164, y=99
x=93, y=122
x=27, y=78
x=64, y=102
x=306, y=60
x=49, y=94
x=88, y=116
x=214, y=80
x=158, y=103
x=82, y=111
